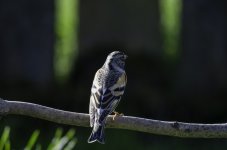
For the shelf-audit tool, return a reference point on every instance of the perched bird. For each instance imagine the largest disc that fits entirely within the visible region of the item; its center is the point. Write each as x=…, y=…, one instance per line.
x=108, y=87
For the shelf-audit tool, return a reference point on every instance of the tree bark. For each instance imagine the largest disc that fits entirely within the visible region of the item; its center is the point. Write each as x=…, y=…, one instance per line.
x=170, y=128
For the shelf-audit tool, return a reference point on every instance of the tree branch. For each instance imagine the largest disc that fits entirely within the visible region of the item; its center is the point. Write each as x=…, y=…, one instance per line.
x=170, y=128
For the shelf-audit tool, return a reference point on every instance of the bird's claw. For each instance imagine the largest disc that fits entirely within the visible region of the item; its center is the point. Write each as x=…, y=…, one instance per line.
x=117, y=114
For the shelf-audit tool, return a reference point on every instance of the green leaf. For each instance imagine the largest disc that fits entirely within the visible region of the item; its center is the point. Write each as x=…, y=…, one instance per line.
x=32, y=140
x=56, y=139
x=4, y=138
x=71, y=144
x=64, y=140
x=71, y=133
x=7, y=145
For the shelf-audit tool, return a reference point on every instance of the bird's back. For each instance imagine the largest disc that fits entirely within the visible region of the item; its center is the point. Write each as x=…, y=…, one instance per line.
x=105, y=78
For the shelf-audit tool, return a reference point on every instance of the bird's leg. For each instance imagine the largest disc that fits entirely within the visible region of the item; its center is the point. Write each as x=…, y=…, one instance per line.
x=117, y=114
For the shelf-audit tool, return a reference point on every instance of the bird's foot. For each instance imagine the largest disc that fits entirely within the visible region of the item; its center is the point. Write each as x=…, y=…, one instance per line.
x=117, y=114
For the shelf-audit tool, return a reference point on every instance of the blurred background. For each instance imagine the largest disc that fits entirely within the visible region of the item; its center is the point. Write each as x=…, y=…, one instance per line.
x=177, y=64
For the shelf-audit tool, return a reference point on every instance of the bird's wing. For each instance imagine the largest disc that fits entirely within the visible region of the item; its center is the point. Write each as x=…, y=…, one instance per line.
x=91, y=111
x=95, y=96
x=111, y=97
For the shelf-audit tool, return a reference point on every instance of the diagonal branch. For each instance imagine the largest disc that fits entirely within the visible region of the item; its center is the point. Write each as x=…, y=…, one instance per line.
x=170, y=128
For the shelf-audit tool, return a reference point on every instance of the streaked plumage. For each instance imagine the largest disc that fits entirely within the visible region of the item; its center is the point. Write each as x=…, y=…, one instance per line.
x=108, y=87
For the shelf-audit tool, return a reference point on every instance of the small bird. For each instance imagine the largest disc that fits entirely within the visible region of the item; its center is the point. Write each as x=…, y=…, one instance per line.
x=108, y=87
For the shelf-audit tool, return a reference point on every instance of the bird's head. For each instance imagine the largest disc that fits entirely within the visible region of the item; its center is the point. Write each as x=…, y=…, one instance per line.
x=116, y=60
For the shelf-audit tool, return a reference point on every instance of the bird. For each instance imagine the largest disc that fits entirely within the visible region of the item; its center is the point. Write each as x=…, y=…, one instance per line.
x=106, y=92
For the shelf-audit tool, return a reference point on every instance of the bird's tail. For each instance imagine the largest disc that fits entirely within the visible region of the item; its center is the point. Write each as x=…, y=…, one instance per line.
x=97, y=134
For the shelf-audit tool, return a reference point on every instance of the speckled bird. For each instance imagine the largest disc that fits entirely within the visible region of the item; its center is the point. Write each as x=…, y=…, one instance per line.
x=107, y=88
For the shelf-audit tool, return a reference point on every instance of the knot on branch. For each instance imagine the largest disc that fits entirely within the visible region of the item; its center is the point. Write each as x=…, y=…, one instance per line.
x=3, y=108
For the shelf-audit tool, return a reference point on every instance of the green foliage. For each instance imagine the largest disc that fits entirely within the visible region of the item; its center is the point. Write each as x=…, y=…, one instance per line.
x=4, y=141
x=32, y=140
x=66, y=142
x=66, y=46
x=170, y=11
x=58, y=142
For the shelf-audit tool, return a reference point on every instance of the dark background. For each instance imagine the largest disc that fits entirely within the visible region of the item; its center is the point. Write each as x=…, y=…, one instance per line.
x=187, y=85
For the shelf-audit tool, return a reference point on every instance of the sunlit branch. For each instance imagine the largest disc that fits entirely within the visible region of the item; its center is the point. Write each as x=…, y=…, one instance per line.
x=170, y=128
